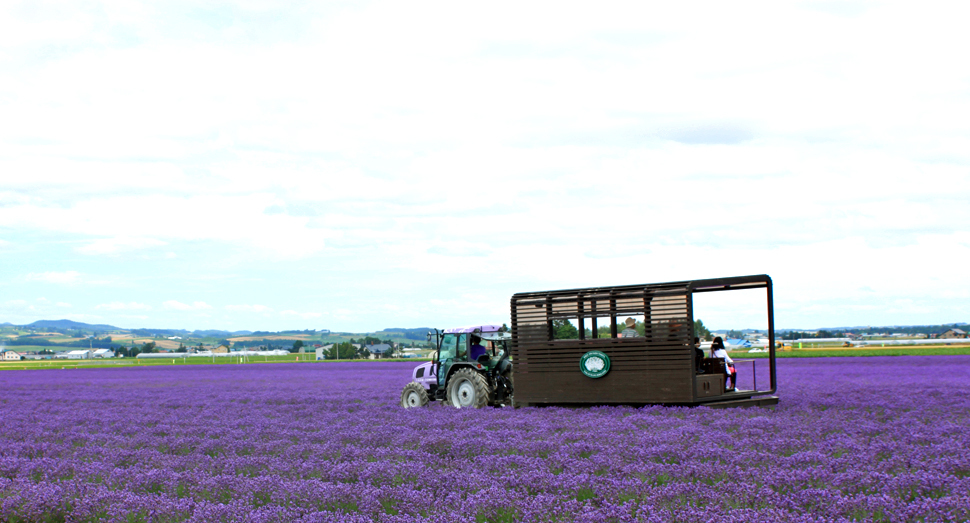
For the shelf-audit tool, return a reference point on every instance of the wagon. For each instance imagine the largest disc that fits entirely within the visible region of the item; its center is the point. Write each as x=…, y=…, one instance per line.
x=597, y=364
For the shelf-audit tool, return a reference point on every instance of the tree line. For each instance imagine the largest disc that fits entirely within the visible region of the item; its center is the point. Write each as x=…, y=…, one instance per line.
x=104, y=343
x=565, y=330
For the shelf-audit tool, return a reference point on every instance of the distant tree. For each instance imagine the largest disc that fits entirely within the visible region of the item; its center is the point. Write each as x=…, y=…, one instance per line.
x=297, y=345
x=181, y=348
x=564, y=330
x=701, y=331
x=148, y=347
x=733, y=334
x=347, y=351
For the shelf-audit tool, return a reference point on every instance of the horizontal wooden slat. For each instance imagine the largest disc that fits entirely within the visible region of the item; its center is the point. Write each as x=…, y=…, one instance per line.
x=615, y=387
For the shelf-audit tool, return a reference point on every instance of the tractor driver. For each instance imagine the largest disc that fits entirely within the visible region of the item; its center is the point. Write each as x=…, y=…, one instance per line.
x=477, y=349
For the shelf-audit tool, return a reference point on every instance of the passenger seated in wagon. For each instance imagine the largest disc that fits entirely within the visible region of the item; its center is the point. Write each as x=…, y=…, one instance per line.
x=630, y=331
x=718, y=351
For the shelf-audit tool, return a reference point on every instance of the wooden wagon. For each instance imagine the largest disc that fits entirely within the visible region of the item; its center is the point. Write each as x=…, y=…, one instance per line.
x=600, y=366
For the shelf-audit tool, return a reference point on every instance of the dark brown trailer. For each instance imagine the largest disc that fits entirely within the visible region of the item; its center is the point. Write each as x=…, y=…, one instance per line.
x=656, y=368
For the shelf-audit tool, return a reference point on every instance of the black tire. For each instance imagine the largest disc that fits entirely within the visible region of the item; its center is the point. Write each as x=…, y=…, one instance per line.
x=468, y=389
x=414, y=396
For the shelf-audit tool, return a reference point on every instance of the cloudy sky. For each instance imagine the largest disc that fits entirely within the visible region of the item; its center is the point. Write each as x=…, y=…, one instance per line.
x=356, y=166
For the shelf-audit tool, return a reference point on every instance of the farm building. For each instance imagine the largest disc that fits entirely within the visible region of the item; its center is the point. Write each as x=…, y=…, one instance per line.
x=953, y=333
x=9, y=355
x=221, y=349
x=323, y=350
x=35, y=355
x=83, y=354
x=103, y=353
x=378, y=350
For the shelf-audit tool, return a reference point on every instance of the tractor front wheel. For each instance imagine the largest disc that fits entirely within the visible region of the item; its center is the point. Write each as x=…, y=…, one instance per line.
x=414, y=396
x=467, y=389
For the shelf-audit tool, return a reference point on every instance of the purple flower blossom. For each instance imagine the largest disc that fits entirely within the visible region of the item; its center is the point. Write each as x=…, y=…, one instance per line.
x=854, y=439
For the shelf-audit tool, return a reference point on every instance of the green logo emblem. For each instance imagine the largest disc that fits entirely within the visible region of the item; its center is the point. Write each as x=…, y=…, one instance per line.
x=594, y=364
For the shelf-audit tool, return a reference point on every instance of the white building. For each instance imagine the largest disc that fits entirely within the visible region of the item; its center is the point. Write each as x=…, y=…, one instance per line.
x=9, y=355
x=324, y=352
x=84, y=354
x=103, y=353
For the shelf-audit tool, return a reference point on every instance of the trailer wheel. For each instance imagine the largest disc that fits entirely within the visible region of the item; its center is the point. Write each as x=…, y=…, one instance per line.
x=414, y=396
x=467, y=389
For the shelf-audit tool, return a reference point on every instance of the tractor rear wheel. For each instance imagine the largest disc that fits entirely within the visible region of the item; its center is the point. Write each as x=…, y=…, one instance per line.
x=468, y=389
x=414, y=396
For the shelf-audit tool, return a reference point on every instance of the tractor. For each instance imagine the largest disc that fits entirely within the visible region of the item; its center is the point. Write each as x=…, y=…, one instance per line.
x=470, y=368
x=598, y=362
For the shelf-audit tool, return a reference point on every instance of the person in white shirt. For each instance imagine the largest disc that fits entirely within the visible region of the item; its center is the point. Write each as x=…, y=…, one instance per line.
x=718, y=351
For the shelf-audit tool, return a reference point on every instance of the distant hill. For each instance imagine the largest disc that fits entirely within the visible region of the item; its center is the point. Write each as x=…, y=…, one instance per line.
x=418, y=330
x=905, y=329
x=70, y=324
x=219, y=334
x=419, y=334
x=185, y=333
x=63, y=325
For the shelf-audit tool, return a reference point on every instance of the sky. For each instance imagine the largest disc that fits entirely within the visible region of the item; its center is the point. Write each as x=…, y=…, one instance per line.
x=365, y=165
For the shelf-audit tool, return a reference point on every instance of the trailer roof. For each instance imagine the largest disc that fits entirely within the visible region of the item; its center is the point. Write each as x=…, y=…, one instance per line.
x=678, y=287
x=474, y=328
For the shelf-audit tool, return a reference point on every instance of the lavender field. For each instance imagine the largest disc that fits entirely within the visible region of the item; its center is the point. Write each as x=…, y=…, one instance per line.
x=854, y=439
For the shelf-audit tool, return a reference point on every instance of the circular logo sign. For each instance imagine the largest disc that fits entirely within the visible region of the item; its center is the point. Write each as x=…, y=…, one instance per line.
x=594, y=364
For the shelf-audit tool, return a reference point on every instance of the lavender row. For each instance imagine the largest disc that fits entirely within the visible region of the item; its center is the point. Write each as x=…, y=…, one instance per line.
x=853, y=440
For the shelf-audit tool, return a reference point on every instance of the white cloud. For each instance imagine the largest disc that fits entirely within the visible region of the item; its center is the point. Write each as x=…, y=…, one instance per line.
x=122, y=306
x=648, y=135
x=179, y=306
x=304, y=315
x=15, y=303
x=65, y=277
x=118, y=245
x=249, y=308
x=63, y=304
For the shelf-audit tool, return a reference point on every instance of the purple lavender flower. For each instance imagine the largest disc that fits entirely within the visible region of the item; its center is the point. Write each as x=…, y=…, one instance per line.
x=854, y=439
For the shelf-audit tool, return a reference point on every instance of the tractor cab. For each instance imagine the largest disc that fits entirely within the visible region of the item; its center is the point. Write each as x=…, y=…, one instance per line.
x=480, y=347
x=470, y=368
